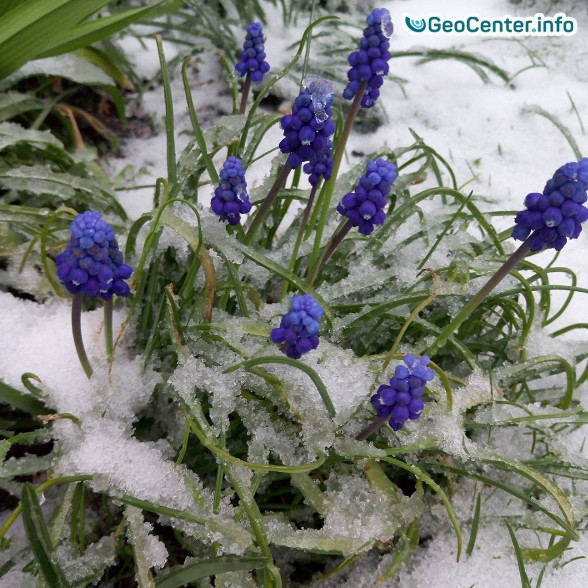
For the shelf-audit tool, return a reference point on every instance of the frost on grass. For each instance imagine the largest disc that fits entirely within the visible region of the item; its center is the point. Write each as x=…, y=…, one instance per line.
x=353, y=514
x=121, y=463
x=149, y=549
x=223, y=388
x=347, y=379
x=89, y=567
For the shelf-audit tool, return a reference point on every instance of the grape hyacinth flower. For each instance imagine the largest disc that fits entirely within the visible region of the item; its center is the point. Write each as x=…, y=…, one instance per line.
x=298, y=330
x=252, y=63
x=92, y=265
x=369, y=65
x=556, y=215
x=401, y=400
x=365, y=206
x=252, y=59
x=230, y=199
x=307, y=137
x=551, y=218
x=308, y=130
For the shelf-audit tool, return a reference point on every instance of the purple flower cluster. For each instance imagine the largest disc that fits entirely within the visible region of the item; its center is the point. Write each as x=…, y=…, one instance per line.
x=370, y=63
x=364, y=207
x=298, y=330
x=93, y=263
x=557, y=214
x=230, y=199
x=308, y=130
x=402, y=398
x=253, y=55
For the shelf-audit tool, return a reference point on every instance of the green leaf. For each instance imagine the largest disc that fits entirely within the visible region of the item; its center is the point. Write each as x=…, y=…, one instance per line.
x=90, y=32
x=7, y=5
x=41, y=179
x=216, y=524
x=71, y=67
x=4, y=449
x=39, y=539
x=316, y=380
x=534, y=109
x=12, y=134
x=189, y=573
x=234, y=275
x=260, y=259
x=519, y=556
x=475, y=524
x=421, y=475
x=137, y=536
x=25, y=402
x=14, y=103
x=33, y=26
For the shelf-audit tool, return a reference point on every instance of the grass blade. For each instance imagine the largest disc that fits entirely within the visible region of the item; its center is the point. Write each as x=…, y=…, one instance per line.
x=519, y=555
x=25, y=402
x=316, y=380
x=39, y=539
x=210, y=567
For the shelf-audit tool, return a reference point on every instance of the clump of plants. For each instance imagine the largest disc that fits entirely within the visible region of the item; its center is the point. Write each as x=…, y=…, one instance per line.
x=299, y=402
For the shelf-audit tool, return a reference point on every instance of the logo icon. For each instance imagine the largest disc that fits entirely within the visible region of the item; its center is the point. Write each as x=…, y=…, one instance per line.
x=418, y=26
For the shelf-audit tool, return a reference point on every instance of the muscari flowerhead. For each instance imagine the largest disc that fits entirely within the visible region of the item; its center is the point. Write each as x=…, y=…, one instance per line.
x=299, y=327
x=92, y=263
x=252, y=59
x=370, y=63
x=556, y=215
x=402, y=400
x=308, y=130
x=230, y=199
x=364, y=207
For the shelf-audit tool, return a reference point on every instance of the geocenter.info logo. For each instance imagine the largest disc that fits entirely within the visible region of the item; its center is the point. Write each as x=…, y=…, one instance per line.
x=523, y=26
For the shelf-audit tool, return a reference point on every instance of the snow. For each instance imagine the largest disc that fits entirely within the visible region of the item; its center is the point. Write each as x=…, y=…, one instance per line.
x=490, y=137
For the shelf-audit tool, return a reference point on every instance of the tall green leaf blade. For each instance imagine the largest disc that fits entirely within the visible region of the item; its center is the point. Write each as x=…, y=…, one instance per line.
x=210, y=567
x=90, y=32
x=260, y=259
x=24, y=30
x=7, y=5
x=39, y=539
x=24, y=14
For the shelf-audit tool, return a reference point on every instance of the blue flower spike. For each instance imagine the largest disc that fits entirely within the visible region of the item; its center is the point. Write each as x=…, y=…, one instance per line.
x=557, y=214
x=93, y=264
x=364, y=207
x=369, y=65
x=230, y=199
x=252, y=59
x=299, y=327
x=309, y=129
x=402, y=400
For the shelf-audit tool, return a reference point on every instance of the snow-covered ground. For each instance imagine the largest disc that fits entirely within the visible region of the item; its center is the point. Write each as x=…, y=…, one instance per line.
x=482, y=129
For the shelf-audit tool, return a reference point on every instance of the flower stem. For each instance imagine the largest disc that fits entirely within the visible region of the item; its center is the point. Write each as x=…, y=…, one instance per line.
x=76, y=327
x=334, y=242
x=245, y=93
x=372, y=428
x=303, y=223
x=267, y=203
x=467, y=310
x=108, y=327
x=327, y=191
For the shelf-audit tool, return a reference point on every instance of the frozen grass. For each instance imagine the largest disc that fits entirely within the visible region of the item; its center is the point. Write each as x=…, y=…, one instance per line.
x=202, y=451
